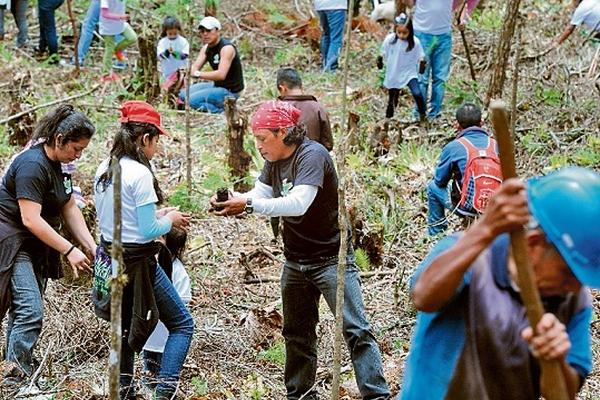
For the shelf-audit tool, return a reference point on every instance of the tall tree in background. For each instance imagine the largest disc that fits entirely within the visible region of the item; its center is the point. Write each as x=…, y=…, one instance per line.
x=496, y=85
x=210, y=8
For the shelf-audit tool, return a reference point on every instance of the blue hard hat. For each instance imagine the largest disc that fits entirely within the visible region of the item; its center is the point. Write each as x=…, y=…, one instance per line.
x=566, y=204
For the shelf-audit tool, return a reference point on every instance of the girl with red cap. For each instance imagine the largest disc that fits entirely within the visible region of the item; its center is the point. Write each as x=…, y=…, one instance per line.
x=149, y=292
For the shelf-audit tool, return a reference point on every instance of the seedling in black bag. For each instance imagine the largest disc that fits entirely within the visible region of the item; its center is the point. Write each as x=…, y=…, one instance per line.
x=222, y=195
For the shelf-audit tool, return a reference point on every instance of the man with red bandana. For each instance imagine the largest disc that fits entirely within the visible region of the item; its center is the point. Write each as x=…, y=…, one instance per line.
x=299, y=184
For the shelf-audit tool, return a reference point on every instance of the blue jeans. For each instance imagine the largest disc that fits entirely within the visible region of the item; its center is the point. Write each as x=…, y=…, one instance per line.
x=438, y=50
x=87, y=29
x=48, y=38
x=86, y=34
x=438, y=201
x=19, y=11
x=301, y=289
x=26, y=313
x=180, y=324
x=332, y=24
x=207, y=97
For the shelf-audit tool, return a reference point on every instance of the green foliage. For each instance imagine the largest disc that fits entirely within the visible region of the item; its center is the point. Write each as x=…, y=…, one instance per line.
x=180, y=198
x=460, y=91
x=293, y=55
x=200, y=386
x=362, y=260
x=490, y=19
x=549, y=96
x=274, y=353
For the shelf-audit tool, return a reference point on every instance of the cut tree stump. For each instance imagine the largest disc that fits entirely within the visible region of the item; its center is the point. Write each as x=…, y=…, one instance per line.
x=238, y=158
x=20, y=129
x=147, y=73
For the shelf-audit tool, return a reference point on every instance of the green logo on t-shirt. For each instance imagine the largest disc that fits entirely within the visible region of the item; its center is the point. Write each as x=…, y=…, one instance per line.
x=286, y=187
x=68, y=184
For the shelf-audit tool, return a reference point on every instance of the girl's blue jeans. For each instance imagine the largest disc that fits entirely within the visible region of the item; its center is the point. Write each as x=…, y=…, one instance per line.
x=179, y=322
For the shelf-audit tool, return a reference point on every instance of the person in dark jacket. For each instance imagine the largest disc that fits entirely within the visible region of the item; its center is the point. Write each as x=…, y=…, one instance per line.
x=35, y=200
x=313, y=114
x=149, y=294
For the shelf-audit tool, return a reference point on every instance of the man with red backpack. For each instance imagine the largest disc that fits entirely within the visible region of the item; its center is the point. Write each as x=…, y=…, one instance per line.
x=471, y=162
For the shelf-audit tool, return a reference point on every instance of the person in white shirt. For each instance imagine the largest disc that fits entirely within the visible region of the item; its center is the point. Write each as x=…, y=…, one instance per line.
x=587, y=13
x=173, y=51
x=112, y=23
x=403, y=55
x=154, y=348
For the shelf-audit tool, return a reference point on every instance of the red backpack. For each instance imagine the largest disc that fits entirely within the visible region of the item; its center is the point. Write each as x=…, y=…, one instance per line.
x=481, y=178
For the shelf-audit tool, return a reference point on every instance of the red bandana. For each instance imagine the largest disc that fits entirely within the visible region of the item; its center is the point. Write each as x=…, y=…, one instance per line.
x=275, y=114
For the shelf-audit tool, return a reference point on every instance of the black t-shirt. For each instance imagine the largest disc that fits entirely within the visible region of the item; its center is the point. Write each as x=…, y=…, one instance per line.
x=234, y=80
x=33, y=176
x=314, y=237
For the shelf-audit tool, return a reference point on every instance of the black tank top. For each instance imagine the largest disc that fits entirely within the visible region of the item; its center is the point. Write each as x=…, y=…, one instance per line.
x=234, y=81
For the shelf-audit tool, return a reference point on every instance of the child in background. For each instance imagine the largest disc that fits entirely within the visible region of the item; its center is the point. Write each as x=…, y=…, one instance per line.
x=173, y=52
x=175, y=242
x=404, y=56
x=112, y=23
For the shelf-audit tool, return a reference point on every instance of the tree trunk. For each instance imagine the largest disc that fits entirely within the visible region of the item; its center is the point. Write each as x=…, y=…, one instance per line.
x=503, y=50
x=116, y=286
x=147, y=72
x=342, y=222
x=238, y=158
x=210, y=8
x=75, y=36
x=20, y=129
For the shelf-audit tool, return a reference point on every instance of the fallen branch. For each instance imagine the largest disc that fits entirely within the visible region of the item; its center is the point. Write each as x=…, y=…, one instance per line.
x=49, y=104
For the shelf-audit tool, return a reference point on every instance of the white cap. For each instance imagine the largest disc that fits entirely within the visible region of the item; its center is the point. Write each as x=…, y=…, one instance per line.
x=210, y=23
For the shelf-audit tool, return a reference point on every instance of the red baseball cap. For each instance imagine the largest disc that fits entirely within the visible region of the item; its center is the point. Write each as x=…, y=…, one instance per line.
x=140, y=111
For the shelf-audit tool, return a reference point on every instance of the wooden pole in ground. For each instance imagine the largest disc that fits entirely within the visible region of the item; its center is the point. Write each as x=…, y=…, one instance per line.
x=342, y=220
x=116, y=286
x=75, y=36
x=238, y=158
x=463, y=36
x=188, y=129
x=551, y=371
x=496, y=85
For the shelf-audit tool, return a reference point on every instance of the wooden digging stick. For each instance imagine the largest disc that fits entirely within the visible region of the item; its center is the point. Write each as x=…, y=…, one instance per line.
x=465, y=43
x=551, y=370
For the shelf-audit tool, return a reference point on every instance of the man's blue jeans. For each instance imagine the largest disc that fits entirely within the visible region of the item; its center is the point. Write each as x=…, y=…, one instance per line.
x=207, y=97
x=438, y=201
x=26, y=313
x=87, y=29
x=332, y=25
x=301, y=289
x=180, y=324
x=19, y=11
x=48, y=38
x=438, y=51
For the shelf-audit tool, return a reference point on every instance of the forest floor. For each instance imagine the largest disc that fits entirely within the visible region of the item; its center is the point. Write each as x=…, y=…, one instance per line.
x=234, y=263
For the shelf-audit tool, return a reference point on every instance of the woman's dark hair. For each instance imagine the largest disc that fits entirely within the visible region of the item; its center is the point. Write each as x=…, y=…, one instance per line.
x=293, y=134
x=411, y=34
x=170, y=23
x=175, y=242
x=127, y=143
x=65, y=121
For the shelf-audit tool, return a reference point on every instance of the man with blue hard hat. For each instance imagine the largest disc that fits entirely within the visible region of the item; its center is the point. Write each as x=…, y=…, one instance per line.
x=472, y=339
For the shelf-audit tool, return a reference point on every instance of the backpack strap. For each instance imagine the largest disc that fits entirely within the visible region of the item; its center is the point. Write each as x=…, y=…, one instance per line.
x=473, y=152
